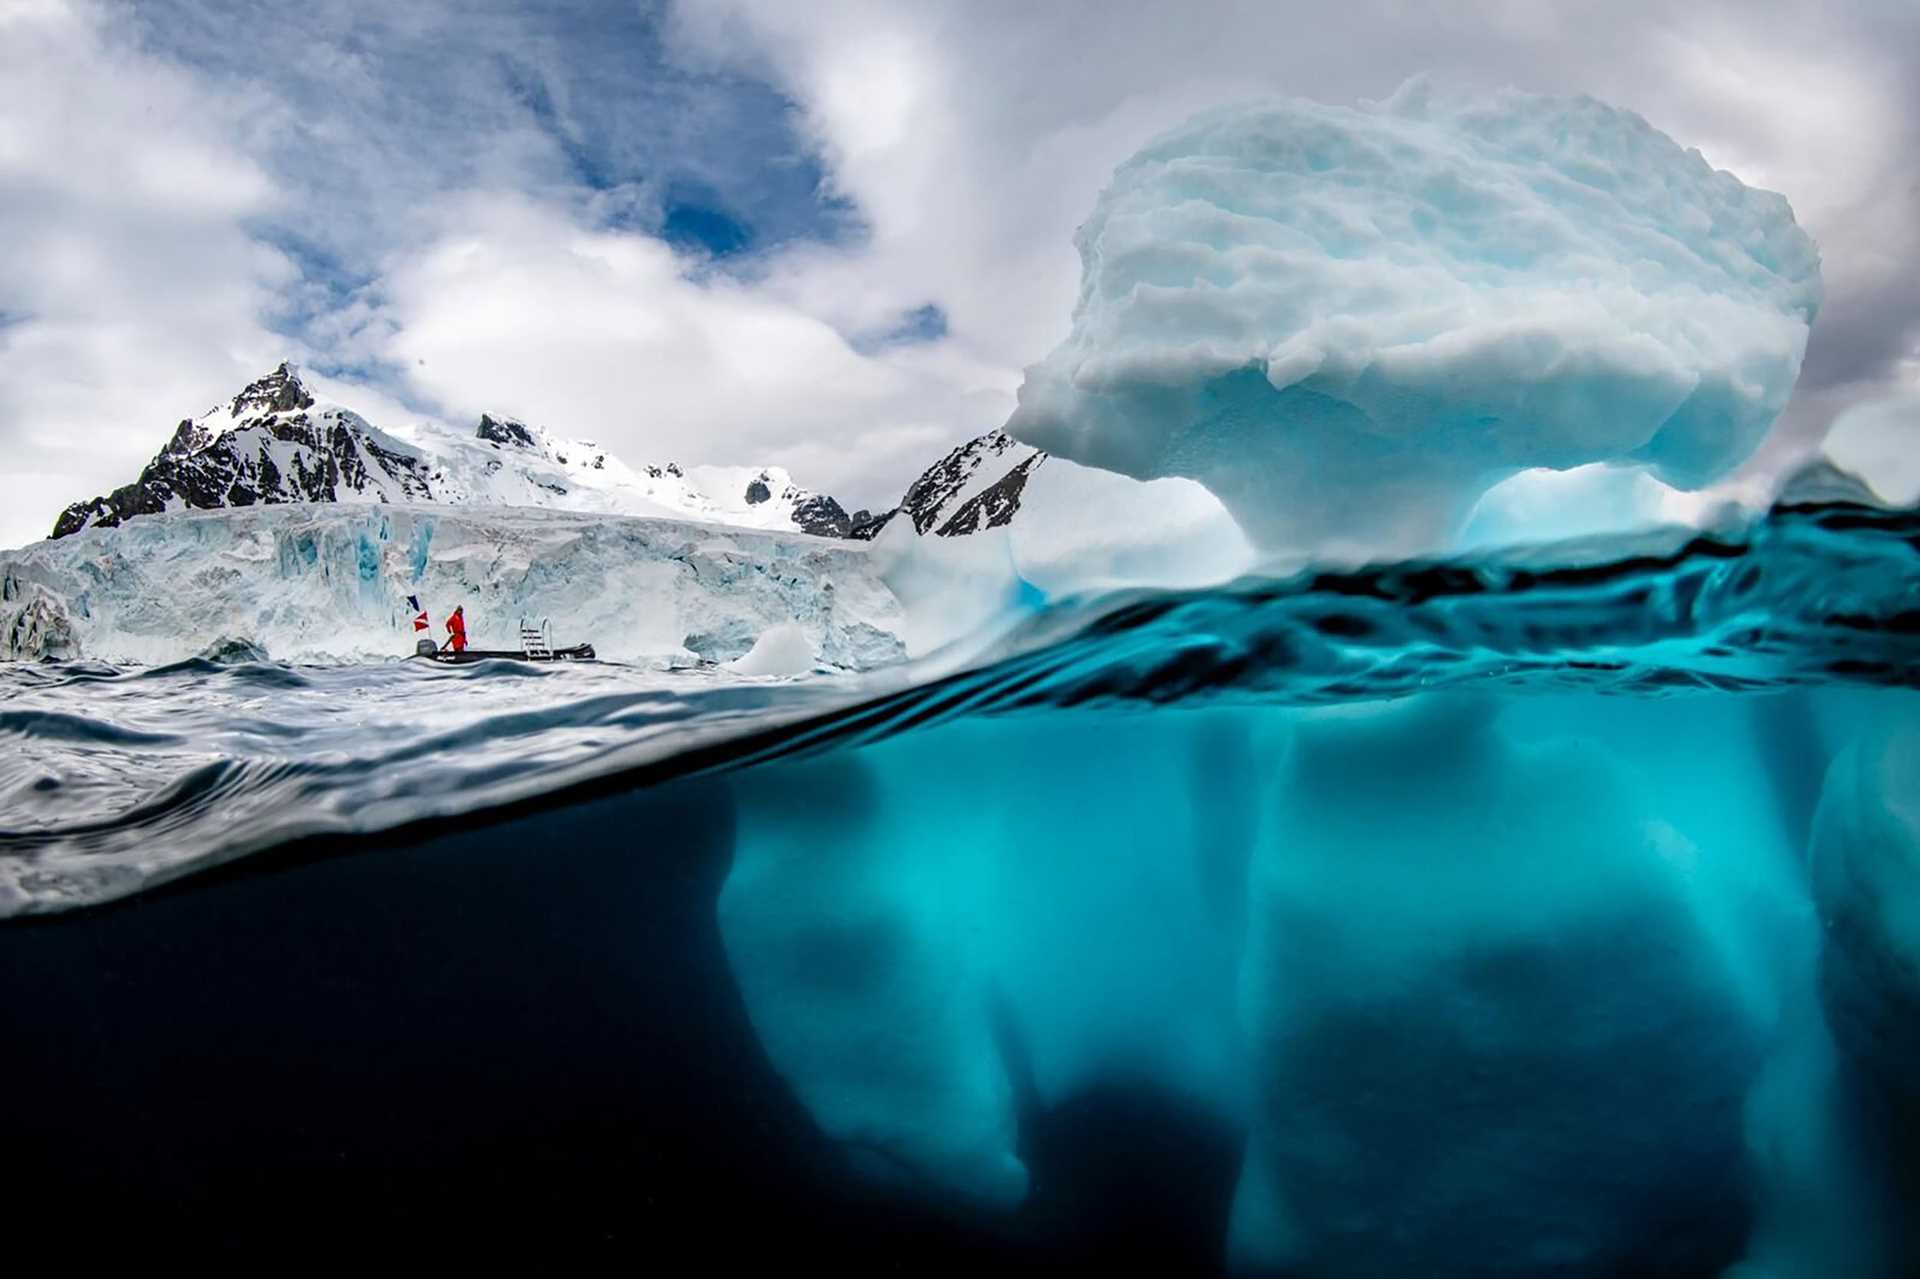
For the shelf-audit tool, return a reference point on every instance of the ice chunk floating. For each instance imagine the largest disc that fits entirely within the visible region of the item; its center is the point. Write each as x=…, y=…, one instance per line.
x=1349, y=323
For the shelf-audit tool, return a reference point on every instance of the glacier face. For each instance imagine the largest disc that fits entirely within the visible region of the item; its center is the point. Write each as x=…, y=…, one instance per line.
x=274, y=443
x=319, y=582
x=1349, y=323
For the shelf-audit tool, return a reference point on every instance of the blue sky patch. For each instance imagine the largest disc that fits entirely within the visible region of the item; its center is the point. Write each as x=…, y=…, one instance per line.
x=572, y=105
x=926, y=323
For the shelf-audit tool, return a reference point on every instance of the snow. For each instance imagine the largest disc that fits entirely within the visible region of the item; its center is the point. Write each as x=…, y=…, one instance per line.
x=781, y=650
x=1350, y=322
x=580, y=475
x=276, y=443
x=320, y=582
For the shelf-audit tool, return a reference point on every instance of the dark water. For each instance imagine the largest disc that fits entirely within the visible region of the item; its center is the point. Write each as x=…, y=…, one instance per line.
x=1537, y=914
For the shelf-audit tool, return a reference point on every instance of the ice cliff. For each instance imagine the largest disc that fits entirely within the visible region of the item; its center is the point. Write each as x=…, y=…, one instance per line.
x=1348, y=323
x=316, y=582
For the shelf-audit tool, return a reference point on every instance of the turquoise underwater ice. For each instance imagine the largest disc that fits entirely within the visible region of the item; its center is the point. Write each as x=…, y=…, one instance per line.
x=1517, y=984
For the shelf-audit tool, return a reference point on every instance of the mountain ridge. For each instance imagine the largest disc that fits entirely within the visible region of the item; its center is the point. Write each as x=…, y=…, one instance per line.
x=275, y=443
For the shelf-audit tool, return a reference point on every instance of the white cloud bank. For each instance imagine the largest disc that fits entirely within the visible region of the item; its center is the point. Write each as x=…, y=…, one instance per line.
x=971, y=138
x=129, y=288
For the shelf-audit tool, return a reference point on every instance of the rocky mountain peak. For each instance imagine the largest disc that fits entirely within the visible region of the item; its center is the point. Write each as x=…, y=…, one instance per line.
x=265, y=446
x=189, y=437
x=505, y=431
x=975, y=487
x=280, y=391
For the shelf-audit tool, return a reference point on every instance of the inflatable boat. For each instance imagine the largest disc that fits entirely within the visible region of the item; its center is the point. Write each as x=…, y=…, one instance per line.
x=536, y=645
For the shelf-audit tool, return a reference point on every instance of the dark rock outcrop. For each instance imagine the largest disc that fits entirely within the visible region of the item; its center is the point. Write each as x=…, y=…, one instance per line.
x=822, y=516
x=506, y=431
x=948, y=499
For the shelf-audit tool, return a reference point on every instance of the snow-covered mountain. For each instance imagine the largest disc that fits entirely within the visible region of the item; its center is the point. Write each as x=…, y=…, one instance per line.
x=271, y=443
x=297, y=525
x=274, y=443
x=509, y=463
x=978, y=486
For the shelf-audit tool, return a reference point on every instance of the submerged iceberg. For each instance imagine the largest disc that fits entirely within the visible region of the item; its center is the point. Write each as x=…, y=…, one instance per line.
x=1485, y=984
x=1351, y=322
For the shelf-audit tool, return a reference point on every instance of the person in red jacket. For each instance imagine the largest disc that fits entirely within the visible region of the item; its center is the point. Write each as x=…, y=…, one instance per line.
x=457, y=629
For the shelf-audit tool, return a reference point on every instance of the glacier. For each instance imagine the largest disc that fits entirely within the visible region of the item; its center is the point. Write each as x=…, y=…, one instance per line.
x=1350, y=322
x=329, y=582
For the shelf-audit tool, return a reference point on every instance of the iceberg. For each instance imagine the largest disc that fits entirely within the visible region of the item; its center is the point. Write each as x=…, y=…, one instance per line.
x=1486, y=984
x=1458, y=1002
x=781, y=650
x=1349, y=323
x=1866, y=884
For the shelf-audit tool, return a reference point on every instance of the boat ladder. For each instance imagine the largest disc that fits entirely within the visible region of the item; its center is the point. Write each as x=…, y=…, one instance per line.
x=536, y=641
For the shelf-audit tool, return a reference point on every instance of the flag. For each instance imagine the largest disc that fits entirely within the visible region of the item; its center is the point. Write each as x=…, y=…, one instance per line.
x=413, y=603
x=421, y=623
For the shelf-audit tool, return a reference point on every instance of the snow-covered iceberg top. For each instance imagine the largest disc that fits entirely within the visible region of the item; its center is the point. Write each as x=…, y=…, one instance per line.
x=1349, y=322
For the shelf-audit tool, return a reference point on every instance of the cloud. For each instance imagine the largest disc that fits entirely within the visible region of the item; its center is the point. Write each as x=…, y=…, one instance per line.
x=517, y=307
x=702, y=229
x=1003, y=120
x=132, y=291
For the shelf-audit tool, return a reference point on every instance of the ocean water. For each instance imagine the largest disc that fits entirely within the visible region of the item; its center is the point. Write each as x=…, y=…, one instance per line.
x=1550, y=912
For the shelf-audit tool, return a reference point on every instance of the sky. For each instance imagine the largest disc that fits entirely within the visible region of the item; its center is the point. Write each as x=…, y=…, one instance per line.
x=825, y=235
